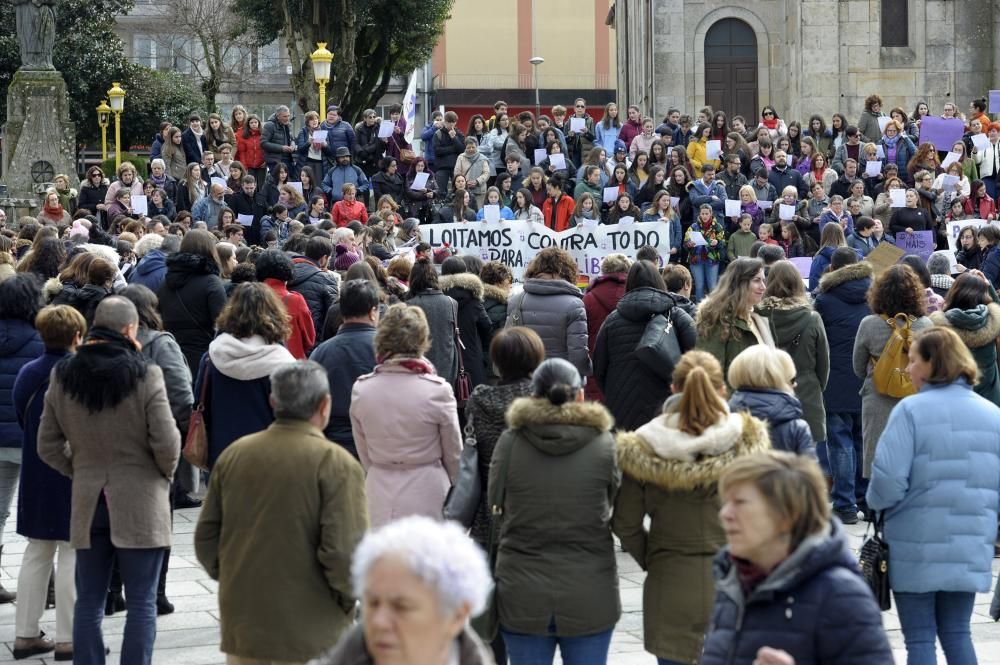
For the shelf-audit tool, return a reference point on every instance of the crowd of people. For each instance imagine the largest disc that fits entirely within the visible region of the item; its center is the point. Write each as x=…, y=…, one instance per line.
x=719, y=414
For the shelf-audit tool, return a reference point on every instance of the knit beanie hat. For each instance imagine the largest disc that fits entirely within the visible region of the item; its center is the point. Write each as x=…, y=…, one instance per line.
x=345, y=257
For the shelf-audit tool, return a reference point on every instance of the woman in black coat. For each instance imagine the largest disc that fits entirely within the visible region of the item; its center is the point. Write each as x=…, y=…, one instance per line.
x=192, y=295
x=388, y=182
x=474, y=325
x=92, y=191
x=633, y=392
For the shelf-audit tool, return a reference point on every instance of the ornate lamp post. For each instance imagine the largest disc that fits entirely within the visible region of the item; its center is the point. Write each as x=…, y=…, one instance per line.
x=117, y=96
x=321, y=59
x=103, y=119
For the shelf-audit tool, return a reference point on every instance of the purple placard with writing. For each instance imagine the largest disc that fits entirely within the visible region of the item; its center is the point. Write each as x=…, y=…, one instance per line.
x=994, y=101
x=804, y=264
x=942, y=132
x=919, y=243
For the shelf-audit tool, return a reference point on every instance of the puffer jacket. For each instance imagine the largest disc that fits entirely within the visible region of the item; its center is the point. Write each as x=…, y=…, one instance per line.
x=782, y=413
x=978, y=328
x=19, y=345
x=633, y=393
x=191, y=298
x=474, y=325
x=937, y=475
x=495, y=302
x=320, y=288
x=673, y=477
x=561, y=479
x=814, y=605
x=600, y=300
x=842, y=302
x=554, y=309
x=799, y=331
x=150, y=270
x=273, y=137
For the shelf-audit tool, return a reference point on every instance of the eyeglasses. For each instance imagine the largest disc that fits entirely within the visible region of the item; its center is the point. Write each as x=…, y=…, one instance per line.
x=768, y=113
x=580, y=106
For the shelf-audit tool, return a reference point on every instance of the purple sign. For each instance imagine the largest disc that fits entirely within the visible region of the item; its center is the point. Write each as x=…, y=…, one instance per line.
x=941, y=132
x=804, y=264
x=994, y=101
x=919, y=243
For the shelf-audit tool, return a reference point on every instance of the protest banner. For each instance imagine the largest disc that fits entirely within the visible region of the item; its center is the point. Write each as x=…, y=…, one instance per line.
x=942, y=132
x=515, y=243
x=955, y=227
x=919, y=243
x=884, y=256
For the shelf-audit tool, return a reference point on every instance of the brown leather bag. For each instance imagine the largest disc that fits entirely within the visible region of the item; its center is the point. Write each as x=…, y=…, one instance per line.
x=196, y=442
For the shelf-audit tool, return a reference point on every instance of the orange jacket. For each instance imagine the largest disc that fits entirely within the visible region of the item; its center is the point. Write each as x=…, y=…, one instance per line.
x=563, y=212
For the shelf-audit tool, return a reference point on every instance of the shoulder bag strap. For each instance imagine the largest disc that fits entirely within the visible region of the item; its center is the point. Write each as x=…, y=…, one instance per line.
x=191, y=316
x=204, y=386
x=458, y=339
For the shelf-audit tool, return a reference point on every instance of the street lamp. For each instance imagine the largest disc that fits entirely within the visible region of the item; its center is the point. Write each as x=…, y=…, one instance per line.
x=117, y=97
x=535, y=61
x=321, y=59
x=103, y=118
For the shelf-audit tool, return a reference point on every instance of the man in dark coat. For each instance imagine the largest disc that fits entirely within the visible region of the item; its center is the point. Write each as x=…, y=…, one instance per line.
x=783, y=175
x=348, y=355
x=310, y=277
x=249, y=202
x=368, y=146
x=193, y=140
x=276, y=141
x=842, y=303
x=448, y=143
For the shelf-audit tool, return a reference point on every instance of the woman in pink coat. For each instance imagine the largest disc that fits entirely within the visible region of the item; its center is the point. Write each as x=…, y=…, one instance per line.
x=405, y=423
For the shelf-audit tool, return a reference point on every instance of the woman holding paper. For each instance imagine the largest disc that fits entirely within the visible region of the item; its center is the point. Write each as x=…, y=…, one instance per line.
x=697, y=150
x=421, y=191
x=884, y=206
x=493, y=202
x=910, y=128
x=952, y=186
x=662, y=210
x=524, y=207
x=911, y=217
x=987, y=157
x=705, y=241
x=624, y=208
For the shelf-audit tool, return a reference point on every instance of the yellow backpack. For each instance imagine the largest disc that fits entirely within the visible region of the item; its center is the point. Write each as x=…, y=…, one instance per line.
x=889, y=376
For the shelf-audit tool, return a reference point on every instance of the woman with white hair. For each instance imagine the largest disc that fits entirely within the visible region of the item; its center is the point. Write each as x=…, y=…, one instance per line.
x=419, y=582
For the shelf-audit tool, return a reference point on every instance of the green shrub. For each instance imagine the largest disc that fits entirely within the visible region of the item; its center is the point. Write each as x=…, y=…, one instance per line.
x=108, y=166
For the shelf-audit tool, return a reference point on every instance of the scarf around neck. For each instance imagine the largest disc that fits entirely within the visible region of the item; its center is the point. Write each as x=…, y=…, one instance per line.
x=770, y=124
x=414, y=365
x=53, y=211
x=105, y=370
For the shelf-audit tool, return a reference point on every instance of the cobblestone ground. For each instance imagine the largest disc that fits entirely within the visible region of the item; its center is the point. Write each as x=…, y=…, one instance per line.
x=190, y=636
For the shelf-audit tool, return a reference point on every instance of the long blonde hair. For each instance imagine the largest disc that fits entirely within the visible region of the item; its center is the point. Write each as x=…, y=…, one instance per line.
x=698, y=376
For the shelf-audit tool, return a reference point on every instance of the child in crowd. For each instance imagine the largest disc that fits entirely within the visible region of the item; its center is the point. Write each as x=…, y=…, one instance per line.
x=742, y=240
x=766, y=234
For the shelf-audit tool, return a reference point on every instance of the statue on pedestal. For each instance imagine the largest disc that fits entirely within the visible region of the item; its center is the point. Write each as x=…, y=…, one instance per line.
x=36, y=32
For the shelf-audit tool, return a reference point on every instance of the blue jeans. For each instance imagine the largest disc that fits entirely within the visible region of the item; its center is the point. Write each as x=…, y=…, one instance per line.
x=541, y=649
x=140, y=570
x=844, y=452
x=944, y=614
x=705, y=276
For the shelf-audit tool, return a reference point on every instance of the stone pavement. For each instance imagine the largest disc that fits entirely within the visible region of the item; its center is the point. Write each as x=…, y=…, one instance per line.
x=190, y=636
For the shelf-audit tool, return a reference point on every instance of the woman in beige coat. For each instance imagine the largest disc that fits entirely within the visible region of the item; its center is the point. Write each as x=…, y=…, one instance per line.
x=405, y=423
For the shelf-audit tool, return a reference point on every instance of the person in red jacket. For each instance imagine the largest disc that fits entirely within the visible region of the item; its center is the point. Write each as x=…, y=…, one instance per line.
x=274, y=268
x=557, y=211
x=980, y=203
x=348, y=209
x=600, y=300
x=248, y=150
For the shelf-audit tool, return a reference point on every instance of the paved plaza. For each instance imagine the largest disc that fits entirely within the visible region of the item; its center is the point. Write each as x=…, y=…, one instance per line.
x=190, y=636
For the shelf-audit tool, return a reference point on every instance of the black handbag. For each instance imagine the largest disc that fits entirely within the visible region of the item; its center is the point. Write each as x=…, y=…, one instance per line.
x=463, y=498
x=659, y=349
x=874, y=560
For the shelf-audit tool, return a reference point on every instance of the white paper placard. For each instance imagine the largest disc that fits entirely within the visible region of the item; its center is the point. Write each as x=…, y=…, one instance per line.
x=420, y=180
x=140, y=206
x=385, y=129
x=626, y=221
x=697, y=239
x=610, y=194
x=786, y=212
x=590, y=223
x=319, y=136
x=245, y=220
x=297, y=186
x=674, y=202
x=882, y=122
x=540, y=156
x=557, y=160
x=221, y=182
x=981, y=141
x=880, y=152
x=950, y=159
x=873, y=169
x=578, y=125
x=948, y=182
x=491, y=213
x=733, y=208
x=764, y=204
x=713, y=149
x=898, y=197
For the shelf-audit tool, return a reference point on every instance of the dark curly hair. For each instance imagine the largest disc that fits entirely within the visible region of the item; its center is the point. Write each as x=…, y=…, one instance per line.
x=274, y=264
x=255, y=309
x=553, y=261
x=495, y=273
x=21, y=298
x=46, y=258
x=897, y=291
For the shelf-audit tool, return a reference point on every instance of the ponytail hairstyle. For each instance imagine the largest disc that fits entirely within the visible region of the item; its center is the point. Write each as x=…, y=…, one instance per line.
x=556, y=380
x=698, y=376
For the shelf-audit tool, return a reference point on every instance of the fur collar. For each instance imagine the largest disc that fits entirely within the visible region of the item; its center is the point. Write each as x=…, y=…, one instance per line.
x=849, y=273
x=688, y=462
x=465, y=280
x=494, y=293
x=772, y=303
x=52, y=288
x=974, y=339
x=539, y=411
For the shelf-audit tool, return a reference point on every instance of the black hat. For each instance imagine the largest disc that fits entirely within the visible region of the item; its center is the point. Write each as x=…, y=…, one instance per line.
x=343, y=152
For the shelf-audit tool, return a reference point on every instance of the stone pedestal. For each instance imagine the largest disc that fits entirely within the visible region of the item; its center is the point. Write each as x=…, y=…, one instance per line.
x=40, y=138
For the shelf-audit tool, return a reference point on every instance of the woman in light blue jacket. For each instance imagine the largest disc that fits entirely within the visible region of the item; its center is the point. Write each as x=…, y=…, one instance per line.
x=607, y=129
x=492, y=144
x=937, y=477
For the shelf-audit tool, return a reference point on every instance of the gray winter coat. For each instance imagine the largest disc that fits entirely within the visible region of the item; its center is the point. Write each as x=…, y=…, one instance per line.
x=161, y=349
x=873, y=333
x=554, y=309
x=441, y=312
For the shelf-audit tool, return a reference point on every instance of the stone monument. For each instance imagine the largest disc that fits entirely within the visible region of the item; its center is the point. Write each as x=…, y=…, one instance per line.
x=40, y=138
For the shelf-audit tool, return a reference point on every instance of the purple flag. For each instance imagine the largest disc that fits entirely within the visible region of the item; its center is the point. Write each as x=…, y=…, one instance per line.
x=941, y=132
x=994, y=101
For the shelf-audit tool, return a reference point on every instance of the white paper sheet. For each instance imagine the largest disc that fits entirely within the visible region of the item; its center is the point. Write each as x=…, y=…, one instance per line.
x=713, y=149
x=733, y=208
x=786, y=212
x=245, y=220
x=578, y=125
x=898, y=197
x=319, y=136
x=557, y=160
x=626, y=221
x=140, y=206
x=539, y=156
x=385, y=129
x=950, y=159
x=981, y=141
x=610, y=194
x=697, y=238
x=491, y=213
x=872, y=169
x=420, y=180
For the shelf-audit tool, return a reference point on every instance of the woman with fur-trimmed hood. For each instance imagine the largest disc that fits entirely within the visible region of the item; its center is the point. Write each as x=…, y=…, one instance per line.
x=474, y=326
x=670, y=468
x=554, y=476
x=971, y=311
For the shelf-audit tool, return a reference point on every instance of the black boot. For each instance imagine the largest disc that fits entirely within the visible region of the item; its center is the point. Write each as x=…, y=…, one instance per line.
x=6, y=596
x=163, y=606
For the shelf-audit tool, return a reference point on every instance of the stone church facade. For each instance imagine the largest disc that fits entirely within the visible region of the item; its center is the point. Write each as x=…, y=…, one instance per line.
x=805, y=56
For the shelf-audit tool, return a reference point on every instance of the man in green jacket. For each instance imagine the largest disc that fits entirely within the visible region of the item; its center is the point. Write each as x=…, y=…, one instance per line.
x=284, y=513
